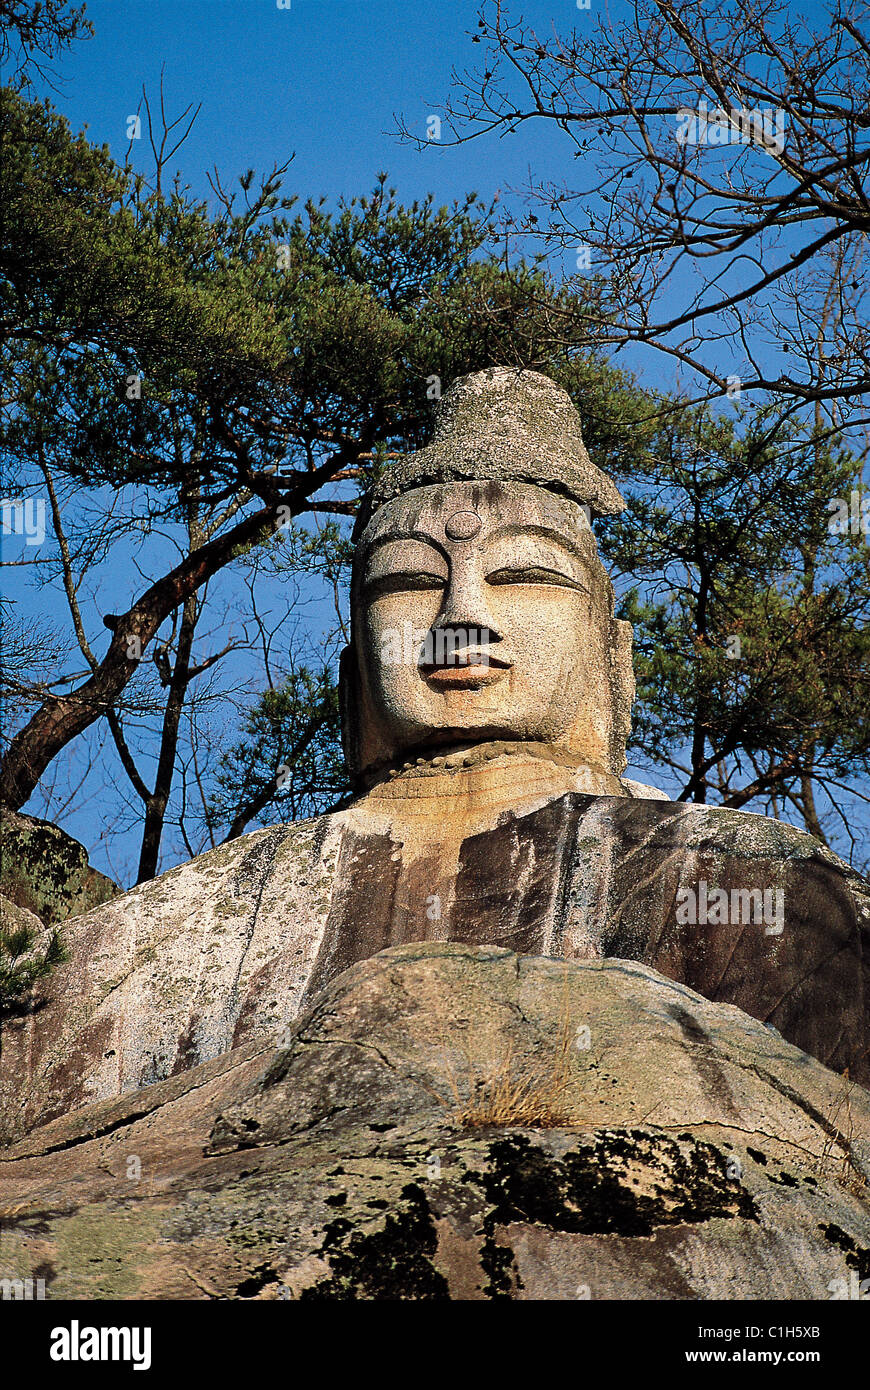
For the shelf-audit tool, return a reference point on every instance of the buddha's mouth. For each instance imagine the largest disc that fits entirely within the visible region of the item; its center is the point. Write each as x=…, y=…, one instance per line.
x=466, y=670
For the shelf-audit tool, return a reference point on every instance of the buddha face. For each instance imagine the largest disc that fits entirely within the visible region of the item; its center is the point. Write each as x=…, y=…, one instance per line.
x=481, y=611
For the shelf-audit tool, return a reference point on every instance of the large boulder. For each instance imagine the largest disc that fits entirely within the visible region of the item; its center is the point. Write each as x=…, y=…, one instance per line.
x=229, y=947
x=461, y=1122
x=46, y=872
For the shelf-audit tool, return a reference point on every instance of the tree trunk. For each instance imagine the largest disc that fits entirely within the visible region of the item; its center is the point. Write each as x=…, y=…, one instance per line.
x=808, y=801
x=155, y=806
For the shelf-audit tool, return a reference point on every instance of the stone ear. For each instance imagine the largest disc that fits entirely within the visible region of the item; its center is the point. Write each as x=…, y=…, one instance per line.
x=622, y=691
x=349, y=711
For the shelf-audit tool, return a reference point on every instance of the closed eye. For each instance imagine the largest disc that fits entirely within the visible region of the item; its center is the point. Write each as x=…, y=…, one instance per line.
x=402, y=582
x=535, y=574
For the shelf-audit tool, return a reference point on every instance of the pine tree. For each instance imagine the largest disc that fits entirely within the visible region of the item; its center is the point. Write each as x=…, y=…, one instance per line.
x=22, y=963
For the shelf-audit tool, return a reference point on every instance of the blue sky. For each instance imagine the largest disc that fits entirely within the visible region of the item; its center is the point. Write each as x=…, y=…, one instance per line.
x=323, y=80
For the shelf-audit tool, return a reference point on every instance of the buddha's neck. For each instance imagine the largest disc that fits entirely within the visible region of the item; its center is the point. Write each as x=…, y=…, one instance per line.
x=451, y=794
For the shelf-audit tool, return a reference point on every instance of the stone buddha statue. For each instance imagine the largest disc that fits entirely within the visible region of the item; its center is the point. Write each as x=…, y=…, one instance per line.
x=486, y=698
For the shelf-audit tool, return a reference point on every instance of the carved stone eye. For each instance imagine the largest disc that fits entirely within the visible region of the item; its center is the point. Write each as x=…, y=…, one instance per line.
x=534, y=574
x=402, y=582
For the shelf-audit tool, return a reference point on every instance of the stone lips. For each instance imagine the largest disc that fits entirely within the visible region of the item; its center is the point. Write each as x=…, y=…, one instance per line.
x=502, y=425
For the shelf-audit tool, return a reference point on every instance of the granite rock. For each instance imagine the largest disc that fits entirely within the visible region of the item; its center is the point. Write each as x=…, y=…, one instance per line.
x=46, y=871
x=459, y=1122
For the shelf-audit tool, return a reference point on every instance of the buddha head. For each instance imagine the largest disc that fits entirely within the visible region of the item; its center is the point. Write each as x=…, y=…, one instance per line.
x=480, y=609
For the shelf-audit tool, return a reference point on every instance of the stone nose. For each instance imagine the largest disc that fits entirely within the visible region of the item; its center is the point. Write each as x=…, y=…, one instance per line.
x=465, y=603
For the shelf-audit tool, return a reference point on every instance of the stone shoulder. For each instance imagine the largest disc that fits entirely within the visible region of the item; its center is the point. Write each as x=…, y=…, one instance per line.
x=175, y=972
x=761, y=837
x=228, y=867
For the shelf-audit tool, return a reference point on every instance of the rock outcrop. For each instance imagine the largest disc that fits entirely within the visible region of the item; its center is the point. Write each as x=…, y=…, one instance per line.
x=506, y=1026
x=461, y=1122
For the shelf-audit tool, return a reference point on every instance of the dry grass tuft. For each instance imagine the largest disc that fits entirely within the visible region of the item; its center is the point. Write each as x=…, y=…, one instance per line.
x=532, y=1099
x=528, y=1093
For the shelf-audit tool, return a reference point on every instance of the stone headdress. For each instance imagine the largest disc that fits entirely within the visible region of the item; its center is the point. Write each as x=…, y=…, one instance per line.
x=502, y=425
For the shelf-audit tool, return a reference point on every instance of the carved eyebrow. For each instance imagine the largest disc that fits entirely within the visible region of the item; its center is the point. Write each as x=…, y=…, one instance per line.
x=560, y=538
x=405, y=575
x=397, y=536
